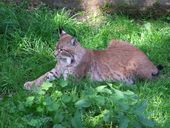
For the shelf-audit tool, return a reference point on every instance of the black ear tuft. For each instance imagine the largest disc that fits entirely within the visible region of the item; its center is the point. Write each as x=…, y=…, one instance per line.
x=61, y=31
x=73, y=41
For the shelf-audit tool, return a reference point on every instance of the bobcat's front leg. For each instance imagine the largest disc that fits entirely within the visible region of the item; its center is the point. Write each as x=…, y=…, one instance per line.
x=48, y=76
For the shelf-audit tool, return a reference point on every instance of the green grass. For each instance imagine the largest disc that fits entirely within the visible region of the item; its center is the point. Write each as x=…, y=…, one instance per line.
x=27, y=40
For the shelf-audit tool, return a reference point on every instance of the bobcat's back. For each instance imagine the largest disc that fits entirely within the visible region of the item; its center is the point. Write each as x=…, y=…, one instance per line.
x=121, y=61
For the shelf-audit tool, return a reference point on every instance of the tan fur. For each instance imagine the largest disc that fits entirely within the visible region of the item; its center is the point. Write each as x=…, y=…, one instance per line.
x=119, y=62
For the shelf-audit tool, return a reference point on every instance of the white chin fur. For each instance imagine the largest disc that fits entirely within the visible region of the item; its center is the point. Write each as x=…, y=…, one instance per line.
x=68, y=60
x=65, y=60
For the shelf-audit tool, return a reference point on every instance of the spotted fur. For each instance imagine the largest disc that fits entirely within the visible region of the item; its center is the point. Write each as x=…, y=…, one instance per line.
x=119, y=62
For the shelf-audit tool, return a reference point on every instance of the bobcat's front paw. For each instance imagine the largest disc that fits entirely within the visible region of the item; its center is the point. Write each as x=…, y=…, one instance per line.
x=28, y=85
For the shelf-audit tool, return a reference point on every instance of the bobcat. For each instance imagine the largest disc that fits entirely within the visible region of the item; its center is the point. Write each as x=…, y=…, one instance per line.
x=120, y=61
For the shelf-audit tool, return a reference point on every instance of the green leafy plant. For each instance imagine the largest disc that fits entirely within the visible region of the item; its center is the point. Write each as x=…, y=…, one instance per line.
x=102, y=106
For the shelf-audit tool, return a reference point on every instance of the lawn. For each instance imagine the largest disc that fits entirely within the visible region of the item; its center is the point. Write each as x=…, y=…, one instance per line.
x=27, y=42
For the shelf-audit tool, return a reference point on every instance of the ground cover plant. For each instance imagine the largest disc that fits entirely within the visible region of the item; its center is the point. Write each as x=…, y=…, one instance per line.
x=27, y=40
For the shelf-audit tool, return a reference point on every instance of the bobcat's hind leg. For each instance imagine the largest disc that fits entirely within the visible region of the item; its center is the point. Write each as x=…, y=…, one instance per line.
x=51, y=75
x=129, y=77
x=129, y=80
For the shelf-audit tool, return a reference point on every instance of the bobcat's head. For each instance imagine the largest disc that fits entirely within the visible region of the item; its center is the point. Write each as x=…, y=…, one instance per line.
x=66, y=48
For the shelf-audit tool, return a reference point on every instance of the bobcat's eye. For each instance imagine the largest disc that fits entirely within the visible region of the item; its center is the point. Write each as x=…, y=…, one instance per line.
x=60, y=50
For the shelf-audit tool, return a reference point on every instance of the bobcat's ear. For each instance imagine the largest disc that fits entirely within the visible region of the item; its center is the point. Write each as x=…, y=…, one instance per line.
x=74, y=41
x=62, y=32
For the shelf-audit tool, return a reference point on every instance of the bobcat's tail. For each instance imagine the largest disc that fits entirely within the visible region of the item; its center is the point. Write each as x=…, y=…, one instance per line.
x=159, y=67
